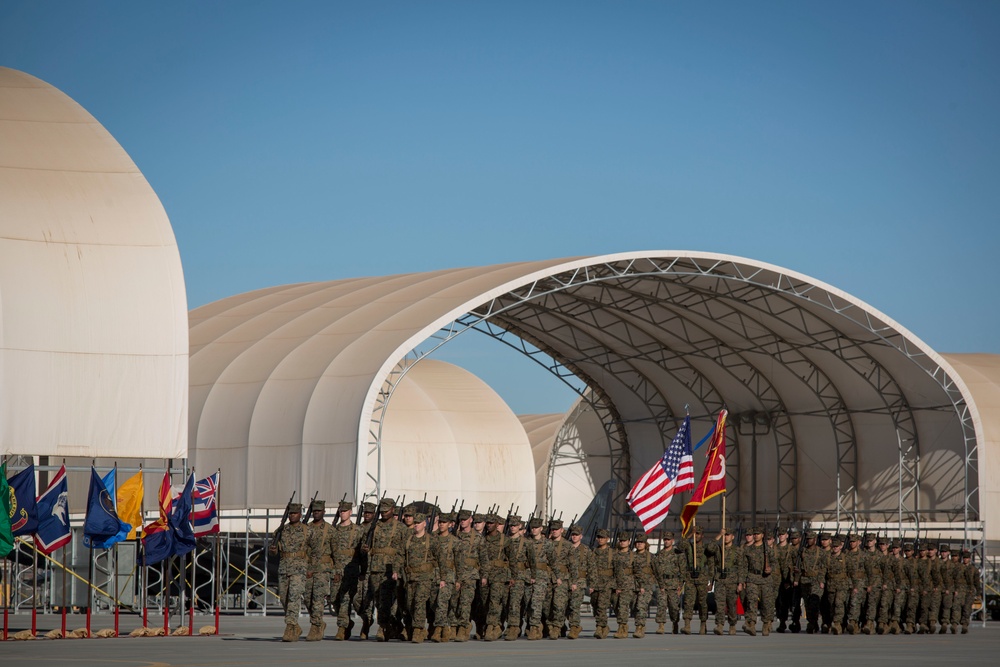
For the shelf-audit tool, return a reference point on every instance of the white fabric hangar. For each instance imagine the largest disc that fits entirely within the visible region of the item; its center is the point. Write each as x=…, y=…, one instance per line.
x=93, y=313
x=848, y=411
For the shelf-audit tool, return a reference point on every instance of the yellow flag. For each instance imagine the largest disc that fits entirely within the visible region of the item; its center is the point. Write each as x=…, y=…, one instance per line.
x=130, y=504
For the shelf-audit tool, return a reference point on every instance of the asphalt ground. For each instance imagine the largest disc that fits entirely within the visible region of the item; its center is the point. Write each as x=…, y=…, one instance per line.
x=254, y=641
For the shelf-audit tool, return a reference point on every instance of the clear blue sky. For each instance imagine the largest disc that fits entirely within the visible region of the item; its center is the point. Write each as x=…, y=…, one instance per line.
x=856, y=142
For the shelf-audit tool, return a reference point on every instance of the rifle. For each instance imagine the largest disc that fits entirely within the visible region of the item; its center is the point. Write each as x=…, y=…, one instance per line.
x=284, y=519
x=313, y=502
x=573, y=522
x=631, y=542
x=431, y=515
x=370, y=536
x=361, y=509
x=506, y=523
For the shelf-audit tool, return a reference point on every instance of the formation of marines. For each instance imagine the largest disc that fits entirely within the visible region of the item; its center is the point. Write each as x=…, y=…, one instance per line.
x=455, y=576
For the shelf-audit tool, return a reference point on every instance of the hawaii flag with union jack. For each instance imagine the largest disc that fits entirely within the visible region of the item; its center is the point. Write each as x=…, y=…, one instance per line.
x=204, y=514
x=674, y=472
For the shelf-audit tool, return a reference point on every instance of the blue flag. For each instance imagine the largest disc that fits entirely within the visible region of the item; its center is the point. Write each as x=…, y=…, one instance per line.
x=111, y=484
x=102, y=528
x=53, y=515
x=23, y=516
x=180, y=520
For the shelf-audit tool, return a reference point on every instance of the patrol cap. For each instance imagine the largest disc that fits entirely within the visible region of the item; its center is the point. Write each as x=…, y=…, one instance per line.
x=514, y=520
x=603, y=532
x=668, y=534
x=870, y=536
x=478, y=518
x=536, y=522
x=576, y=529
x=810, y=534
x=447, y=517
x=909, y=546
x=464, y=514
x=345, y=506
x=932, y=547
x=838, y=541
x=419, y=517
x=825, y=536
x=641, y=537
x=294, y=508
x=883, y=540
x=368, y=507
x=318, y=505
x=623, y=537
x=896, y=544
x=756, y=530
x=851, y=537
x=945, y=549
x=782, y=531
x=793, y=532
x=409, y=511
x=555, y=524
x=699, y=530
x=386, y=504
x=966, y=553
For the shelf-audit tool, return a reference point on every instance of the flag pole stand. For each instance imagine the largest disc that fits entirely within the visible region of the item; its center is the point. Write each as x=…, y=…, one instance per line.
x=117, y=597
x=90, y=590
x=723, y=531
x=165, y=594
x=6, y=598
x=65, y=548
x=218, y=550
x=34, y=595
x=191, y=599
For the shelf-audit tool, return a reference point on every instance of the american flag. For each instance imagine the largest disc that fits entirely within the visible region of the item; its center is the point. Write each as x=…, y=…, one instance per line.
x=674, y=472
x=204, y=516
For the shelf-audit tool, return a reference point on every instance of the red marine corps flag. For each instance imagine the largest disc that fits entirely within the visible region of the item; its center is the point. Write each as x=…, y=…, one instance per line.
x=713, y=480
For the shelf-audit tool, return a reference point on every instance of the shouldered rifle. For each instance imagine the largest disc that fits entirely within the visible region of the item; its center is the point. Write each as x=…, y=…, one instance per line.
x=631, y=542
x=573, y=522
x=429, y=525
x=311, y=503
x=370, y=535
x=284, y=520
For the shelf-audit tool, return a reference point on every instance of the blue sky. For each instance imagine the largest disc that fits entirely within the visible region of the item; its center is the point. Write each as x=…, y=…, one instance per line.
x=855, y=142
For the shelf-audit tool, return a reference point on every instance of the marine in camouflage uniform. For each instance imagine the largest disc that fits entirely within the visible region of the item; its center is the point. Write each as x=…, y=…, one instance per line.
x=467, y=576
x=812, y=581
x=625, y=584
x=886, y=563
x=858, y=575
x=911, y=568
x=958, y=575
x=495, y=569
x=697, y=575
x=578, y=587
x=974, y=585
x=947, y=588
x=290, y=542
x=793, y=558
x=521, y=558
x=726, y=574
x=385, y=562
x=345, y=540
x=873, y=591
x=668, y=568
x=932, y=608
x=901, y=586
x=363, y=603
x=563, y=574
x=838, y=585
x=318, y=570
x=825, y=601
x=756, y=567
x=446, y=547
x=601, y=574
x=783, y=582
x=420, y=567
x=645, y=582
x=538, y=597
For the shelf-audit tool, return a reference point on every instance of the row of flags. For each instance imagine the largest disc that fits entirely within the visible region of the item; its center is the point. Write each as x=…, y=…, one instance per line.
x=650, y=497
x=114, y=513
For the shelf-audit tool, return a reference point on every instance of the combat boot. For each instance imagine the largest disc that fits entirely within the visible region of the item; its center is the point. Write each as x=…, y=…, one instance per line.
x=894, y=628
x=931, y=627
x=944, y=629
x=513, y=632
x=750, y=628
x=675, y=630
x=622, y=631
x=703, y=630
x=795, y=627
x=765, y=629
x=574, y=632
x=687, y=626
x=954, y=628
x=599, y=633
x=660, y=629
x=316, y=632
x=965, y=629
x=866, y=629
x=350, y=627
x=835, y=629
x=341, y=634
x=417, y=635
x=462, y=634
x=554, y=631
x=380, y=634
x=640, y=631
x=732, y=630
x=292, y=632
x=880, y=628
x=365, y=629
x=449, y=633
x=436, y=635
x=908, y=629
x=782, y=627
x=852, y=628
x=718, y=629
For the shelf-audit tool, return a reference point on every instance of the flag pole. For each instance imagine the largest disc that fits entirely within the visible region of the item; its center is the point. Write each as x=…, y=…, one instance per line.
x=218, y=567
x=65, y=548
x=6, y=587
x=34, y=594
x=114, y=554
x=90, y=588
x=694, y=540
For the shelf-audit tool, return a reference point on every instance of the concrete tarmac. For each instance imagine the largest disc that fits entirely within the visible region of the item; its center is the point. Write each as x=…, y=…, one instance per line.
x=255, y=641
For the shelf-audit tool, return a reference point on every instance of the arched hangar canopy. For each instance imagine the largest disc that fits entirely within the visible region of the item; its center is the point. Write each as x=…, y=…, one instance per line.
x=301, y=374
x=93, y=315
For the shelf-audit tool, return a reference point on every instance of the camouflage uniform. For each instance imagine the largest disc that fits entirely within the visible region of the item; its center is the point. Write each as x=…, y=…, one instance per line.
x=290, y=541
x=947, y=589
x=645, y=582
x=581, y=556
x=385, y=558
x=932, y=606
x=873, y=594
x=912, y=570
x=696, y=580
x=447, y=544
x=422, y=577
x=974, y=585
x=756, y=567
x=668, y=567
x=318, y=573
x=344, y=543
x=886, y=564
x=812, y=580
x=563, y=572
x=838, y=587
x=537, y=610
x=859, y=583
x=467, y=575
x=494, y=565
x=521, y=557
x=362, y=601
x=601, y=574
x=726, y=580
x=625, y=586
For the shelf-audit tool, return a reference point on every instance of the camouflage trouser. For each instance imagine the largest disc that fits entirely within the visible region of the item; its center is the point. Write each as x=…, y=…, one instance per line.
x=947, y=600
x=442, y=604
x=460, y=606
x=970, y=597
x=840, y=595
x=912, y=605
x=539, y=598
x=696, y=594
x=624, y=606
x=856, y=602
x=641, y=612
x=668, y=599
x=291, y=589
x=885, y=604
x=317, y=588
x=872, y=600
x=932, y=607
x=558, y=597
x=600, y=600
x=342, y=593
x=515, y=600
x=418, y=595
x=725, y=601
x=382, y=592
x=811, y=594
x=754, y=594
x=957, y=605
x=898, y=612
x=575, y=603
x=825, y=606
x=362, y=602
x=496, y=600
x=480, y=605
